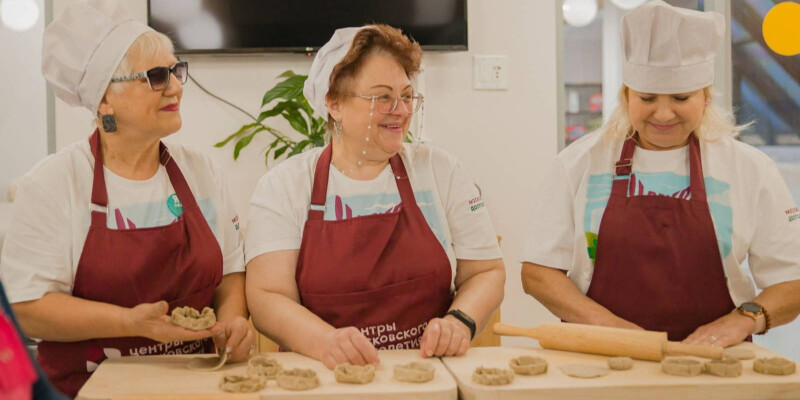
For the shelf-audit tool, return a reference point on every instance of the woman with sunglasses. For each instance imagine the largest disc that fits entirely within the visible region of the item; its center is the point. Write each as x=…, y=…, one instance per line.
x=360, y=246
x=114, y=232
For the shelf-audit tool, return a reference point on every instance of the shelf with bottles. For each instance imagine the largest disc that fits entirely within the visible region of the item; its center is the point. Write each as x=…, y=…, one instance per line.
x=584, y=109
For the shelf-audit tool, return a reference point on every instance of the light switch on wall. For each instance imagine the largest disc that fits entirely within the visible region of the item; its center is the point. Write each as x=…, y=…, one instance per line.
x=490, y=72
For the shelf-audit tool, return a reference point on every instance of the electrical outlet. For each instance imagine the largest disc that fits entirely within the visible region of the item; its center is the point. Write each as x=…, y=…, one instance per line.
x=490, y=72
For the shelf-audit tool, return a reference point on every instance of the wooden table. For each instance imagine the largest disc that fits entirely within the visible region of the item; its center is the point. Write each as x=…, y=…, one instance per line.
x=644, y=381
x=166, y=377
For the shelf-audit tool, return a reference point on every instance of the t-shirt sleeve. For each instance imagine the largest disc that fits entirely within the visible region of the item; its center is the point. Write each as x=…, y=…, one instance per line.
x=231, y=242
x=550, y=238
x=273, y=224
x=774, y=255
x=36, y=250
x=471, y=229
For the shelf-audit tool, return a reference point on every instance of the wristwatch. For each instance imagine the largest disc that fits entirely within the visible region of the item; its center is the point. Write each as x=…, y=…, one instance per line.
x=758, y=314
x=469, y=322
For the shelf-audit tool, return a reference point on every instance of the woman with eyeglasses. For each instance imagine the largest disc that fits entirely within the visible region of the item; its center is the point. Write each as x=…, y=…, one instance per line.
x=112, y=233
x=361, y=245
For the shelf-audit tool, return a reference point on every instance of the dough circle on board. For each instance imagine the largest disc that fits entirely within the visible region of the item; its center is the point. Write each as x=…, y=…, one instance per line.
x=774, y=366
x=189, y=318
x=349, y=373
x=620, y=363
x=264, y=366
x=492, y=376
x=209, y=363
x=738, y=354
x=241, y=383
x=584, y=371
x=727, y=367
x=681, y=366
x=527, y=365
x=414, y=372
x=297, y=379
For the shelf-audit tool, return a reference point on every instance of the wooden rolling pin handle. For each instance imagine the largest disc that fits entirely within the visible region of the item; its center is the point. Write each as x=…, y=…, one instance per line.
x=697, y=350
x=510, y=330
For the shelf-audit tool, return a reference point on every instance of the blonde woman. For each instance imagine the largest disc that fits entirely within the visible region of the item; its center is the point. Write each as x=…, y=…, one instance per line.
x=645, y=223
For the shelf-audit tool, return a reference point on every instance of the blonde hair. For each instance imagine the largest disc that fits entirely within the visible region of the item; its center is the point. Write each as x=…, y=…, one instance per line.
x=715, y=124
x=148, y=45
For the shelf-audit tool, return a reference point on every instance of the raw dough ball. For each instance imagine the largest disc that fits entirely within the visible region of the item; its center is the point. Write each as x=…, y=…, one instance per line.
x=527, y=365
x=584, y=371
x=681, y=366
x=492, y=376
x=297, y=379
x=241, y=384
x=190, y=318
x=620, y=363
x=738, y=353
x=349, y=373
x=774, y=366
x=414, y=372
x=263, y=366
x=727, y=367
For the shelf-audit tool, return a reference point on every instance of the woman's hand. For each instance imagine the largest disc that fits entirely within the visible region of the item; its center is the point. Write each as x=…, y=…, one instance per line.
x=728, y=330
x=445, y=337
x=347, y=345
x=236, y=337
x=150, y=320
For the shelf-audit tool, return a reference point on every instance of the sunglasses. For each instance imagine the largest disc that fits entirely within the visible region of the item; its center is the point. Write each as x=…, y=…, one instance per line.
x=158, y=77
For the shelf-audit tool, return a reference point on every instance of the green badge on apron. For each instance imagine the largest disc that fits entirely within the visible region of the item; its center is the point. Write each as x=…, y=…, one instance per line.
x=174, y=205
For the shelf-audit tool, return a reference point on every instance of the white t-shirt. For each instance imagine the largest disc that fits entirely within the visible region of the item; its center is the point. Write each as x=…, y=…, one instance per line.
x=751, y=207
x=445, y=193
x=52, y=216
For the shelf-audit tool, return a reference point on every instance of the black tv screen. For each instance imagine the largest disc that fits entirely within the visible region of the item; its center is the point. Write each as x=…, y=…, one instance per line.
x=258, y=26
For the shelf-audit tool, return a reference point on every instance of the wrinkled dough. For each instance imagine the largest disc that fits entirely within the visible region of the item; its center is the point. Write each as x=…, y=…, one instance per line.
x=189, y=318
x=264, y=366
x=414, y=372
x=297, y=379
x=620, y=363
x=681, y=366
x=349, y=373
x=774, y=366
x=727, y=367
x=241, y=384
x=738, y=354
x=527, y=365
x=492, y=376
x=584, y=371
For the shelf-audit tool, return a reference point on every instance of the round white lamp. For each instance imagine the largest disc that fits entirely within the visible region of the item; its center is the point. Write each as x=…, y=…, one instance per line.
x=628, y=4
x=579, y=12
x=19, y=15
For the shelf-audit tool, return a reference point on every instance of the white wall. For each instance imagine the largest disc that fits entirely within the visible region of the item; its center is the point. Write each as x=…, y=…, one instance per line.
x=506, y=138
x=23, y=112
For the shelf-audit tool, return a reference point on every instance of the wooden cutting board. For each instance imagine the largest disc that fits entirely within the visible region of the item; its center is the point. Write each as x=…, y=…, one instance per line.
x=644, y=381
x=166, y=377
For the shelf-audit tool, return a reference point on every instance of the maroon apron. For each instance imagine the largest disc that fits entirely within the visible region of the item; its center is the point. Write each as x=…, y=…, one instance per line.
x=385, y=274
x=658, y=263
x=180, y=263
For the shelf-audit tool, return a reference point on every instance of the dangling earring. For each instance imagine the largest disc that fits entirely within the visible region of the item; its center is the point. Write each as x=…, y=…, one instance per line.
x=708, y=101
x=337, y=127
x=109, y=123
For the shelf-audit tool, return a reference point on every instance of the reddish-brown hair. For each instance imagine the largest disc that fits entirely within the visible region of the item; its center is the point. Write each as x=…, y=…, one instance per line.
x=369, y=40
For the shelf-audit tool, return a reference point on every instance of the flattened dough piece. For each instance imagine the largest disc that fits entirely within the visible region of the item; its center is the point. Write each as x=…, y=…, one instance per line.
x=620, y=363
x=738, y=353
x=241, y=383
x=297, y=379
x=192, y=319
x=681, y=366
x=727, y=367
x=209, y=363
x=584, y=371
x=264, y=366
x=774, y=366
x=527, y=365
x=492, y=376
x=349, y=373
x=414, y=372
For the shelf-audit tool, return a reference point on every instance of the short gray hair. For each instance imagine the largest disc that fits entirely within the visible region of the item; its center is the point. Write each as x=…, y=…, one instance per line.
x=148, y=45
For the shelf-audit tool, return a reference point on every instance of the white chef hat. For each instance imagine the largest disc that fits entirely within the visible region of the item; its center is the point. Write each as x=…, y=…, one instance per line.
x=667, y=50
x=318, y=82
x=82, y=48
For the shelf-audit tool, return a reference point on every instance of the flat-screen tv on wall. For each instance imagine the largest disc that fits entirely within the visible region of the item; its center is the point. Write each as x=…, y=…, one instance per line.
x=262, y=26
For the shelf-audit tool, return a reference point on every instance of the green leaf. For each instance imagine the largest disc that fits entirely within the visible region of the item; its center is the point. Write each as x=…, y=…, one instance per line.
x=287, y=74
x=279, y=152
x=288, y=89
x=298, y=148
x=235, y=134
x=277, y=110
x=242, y=143
x=296, y=120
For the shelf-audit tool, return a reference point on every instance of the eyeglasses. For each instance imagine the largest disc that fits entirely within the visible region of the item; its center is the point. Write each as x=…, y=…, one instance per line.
x=386, y=104
x=158, y=77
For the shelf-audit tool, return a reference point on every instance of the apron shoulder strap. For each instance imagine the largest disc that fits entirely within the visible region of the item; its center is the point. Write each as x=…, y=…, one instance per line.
x=623, y=169
x=697, y=183
x=176, y=178
x=319, y=189
x=99, y=206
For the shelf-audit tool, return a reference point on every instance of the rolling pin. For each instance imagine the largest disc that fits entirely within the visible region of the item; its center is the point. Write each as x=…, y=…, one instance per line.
x=615, y=342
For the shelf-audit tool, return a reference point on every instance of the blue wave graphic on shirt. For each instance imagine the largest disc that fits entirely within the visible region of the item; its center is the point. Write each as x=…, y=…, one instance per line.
x=659, y=184
x=155, y=213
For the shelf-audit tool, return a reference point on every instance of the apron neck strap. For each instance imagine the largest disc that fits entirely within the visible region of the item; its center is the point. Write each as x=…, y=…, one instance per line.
x=319, y=190
x=99, y=206
x=624, y=168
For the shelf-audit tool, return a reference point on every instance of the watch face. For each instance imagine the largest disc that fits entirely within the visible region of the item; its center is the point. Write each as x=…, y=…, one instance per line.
x=751, y=307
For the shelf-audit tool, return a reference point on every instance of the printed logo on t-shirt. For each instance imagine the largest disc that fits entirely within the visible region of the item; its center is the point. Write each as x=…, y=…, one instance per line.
x=659, y=184
x=157, y=213
x=793, y=214
x=476, y=204
x=174, y=205
x=339, y=208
